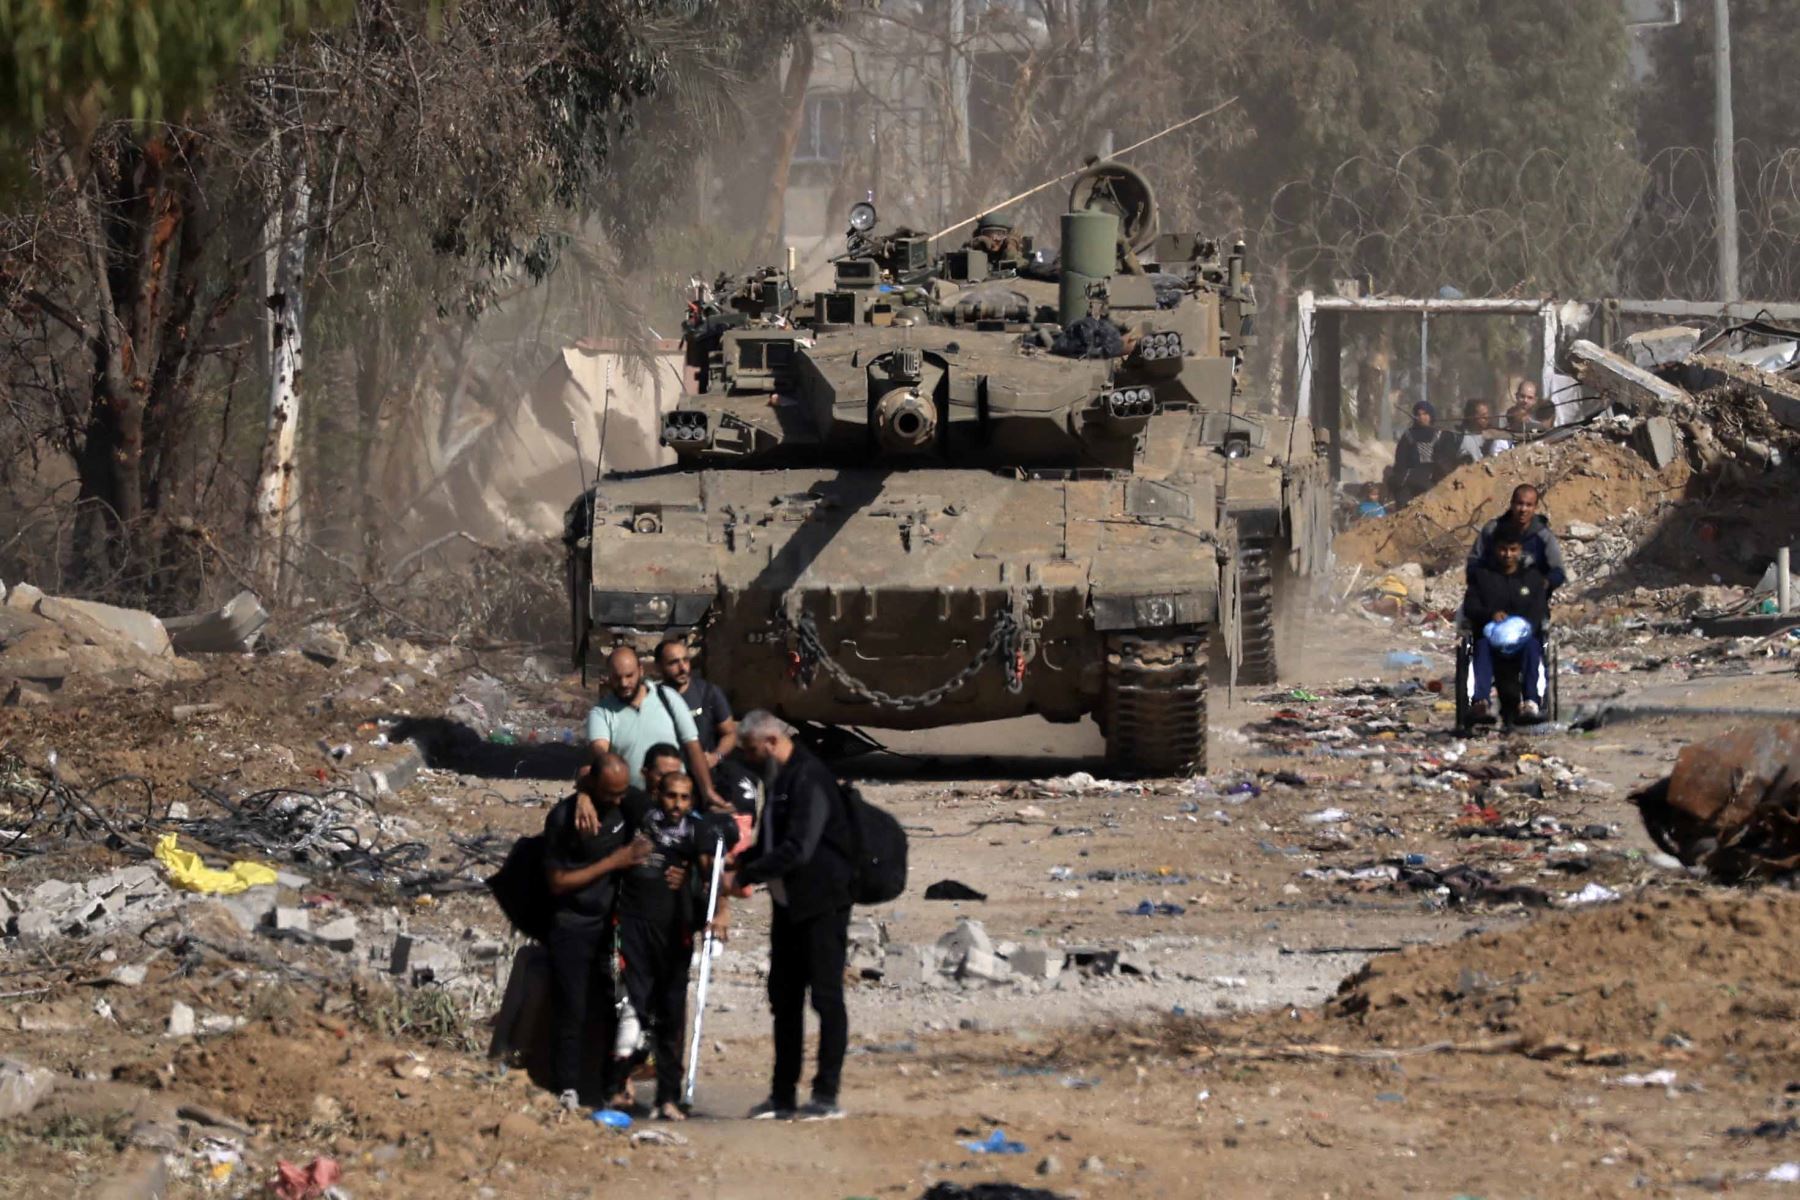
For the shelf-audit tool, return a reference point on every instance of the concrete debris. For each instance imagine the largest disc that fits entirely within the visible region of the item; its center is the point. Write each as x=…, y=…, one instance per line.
x=1662, y=347
x=1732, y=804
x=181, y=1021
x=340, y=934
x=22, y=1088
x=421, y=960
x=105, y=623
x=1618, y=380
x=1661, y=441
x=326, y=645
x=47, y=640
x=128, y=897
x=232, y=629
x=481, y=702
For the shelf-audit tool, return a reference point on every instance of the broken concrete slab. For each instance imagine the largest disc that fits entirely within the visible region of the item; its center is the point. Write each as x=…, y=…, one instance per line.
x=23, y=596
x=1653, y=348
x=1620, y=381
x=232, y=629
x=422, y=960
x=983, y=966
x=22, y=1087
x=291, y=919
x=340, y=934
x=1661, y=441
x=103, y=623
x=181, y=1021
x=968, y=936
x=1037, y=962
x=325, y=644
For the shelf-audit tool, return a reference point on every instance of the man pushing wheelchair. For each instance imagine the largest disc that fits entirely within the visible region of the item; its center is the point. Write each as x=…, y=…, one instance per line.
x=1513, y=568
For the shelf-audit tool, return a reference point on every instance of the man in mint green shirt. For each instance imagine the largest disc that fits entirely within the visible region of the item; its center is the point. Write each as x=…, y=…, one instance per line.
x=635, y=715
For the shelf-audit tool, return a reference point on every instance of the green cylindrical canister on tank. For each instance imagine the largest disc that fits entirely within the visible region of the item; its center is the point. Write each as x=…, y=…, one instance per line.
x=1090, y=242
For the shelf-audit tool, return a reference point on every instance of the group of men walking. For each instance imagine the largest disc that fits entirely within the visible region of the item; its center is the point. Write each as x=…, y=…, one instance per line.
x=672, y=782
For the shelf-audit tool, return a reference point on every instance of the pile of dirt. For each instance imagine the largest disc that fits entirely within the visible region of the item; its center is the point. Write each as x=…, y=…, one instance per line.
x=1703, y=977
x=1588, y=478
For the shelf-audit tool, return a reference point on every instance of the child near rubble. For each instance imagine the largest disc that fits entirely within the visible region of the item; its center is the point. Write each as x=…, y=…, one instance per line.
x=659, y=901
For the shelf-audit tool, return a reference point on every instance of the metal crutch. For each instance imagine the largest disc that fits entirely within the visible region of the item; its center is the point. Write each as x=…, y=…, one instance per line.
x=706, y=957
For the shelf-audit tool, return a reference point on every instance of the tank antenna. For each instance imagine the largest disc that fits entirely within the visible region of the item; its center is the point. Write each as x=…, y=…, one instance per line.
x=1118, y=154
x=580, y=467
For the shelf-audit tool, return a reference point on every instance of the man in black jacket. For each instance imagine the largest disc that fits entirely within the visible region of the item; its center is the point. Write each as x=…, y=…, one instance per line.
x=802, y=852
x=583, y=871
x=1509, y=589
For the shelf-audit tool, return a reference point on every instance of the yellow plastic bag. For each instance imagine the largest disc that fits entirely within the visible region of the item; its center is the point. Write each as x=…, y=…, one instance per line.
x=187, y=871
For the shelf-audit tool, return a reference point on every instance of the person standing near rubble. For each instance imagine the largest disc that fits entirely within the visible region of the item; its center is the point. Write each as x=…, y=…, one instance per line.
x=713, y=722
x=1499, y=598
x=1473, y=446
x=656, y=910
x=635, y=715
x=1423, y=455
x=802, y=853
x=1518, y=420
x=582, y=871
x=1542, y=552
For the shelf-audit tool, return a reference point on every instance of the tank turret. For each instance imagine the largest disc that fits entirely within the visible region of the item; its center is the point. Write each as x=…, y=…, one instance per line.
x=971, y=479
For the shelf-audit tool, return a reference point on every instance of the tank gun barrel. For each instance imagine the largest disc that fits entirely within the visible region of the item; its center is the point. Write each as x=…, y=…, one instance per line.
x=905, y=420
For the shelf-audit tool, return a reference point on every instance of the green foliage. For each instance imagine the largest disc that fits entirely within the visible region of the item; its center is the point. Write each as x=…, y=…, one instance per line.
x=75, y=63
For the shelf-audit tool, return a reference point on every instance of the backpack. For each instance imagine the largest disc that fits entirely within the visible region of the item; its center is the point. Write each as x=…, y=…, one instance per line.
x=878, y=849
x=522, y=890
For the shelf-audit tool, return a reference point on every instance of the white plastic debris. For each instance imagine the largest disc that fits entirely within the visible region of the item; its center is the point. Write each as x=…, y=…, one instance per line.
x=1593, y=893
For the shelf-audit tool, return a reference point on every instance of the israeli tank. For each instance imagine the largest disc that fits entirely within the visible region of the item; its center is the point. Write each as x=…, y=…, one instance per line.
x=971, y=482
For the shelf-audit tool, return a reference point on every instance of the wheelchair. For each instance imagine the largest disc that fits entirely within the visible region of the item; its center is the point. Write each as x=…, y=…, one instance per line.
x=1507, y=684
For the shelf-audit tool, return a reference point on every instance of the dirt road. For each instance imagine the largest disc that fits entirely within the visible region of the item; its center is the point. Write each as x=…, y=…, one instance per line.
x=1343, y=830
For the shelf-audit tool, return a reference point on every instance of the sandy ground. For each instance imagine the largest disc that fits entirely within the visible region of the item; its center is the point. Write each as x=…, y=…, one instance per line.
x=1170, y=1082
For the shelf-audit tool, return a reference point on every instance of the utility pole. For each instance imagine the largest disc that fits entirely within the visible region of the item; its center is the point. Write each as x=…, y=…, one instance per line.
x=1103, y=65
x=1724, y=144
x=959, y=83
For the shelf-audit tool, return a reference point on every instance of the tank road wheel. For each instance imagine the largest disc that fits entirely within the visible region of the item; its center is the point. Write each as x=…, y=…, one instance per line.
x=1269, y=599
x=1155, y=704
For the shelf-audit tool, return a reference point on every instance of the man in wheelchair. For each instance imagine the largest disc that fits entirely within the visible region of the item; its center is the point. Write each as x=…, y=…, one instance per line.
x=1506, y=608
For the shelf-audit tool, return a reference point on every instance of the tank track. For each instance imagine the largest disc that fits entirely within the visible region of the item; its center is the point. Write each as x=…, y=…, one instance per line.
x=1260, y=558
x=1155, y=704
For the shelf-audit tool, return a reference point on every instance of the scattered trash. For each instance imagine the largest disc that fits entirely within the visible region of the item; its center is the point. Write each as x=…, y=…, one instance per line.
x=612, y=1118
x=1787, y=1172
x=996, y=1143
x=951, y=889
x=945, y=1190
x=304, y=1183
x=187, y=871
x=1153, y=908
x=1593, y=893
x=1327, y=816
x=1663, y=1078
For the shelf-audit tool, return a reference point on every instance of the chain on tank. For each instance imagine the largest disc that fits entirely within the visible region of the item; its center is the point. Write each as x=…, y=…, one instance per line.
x=1003, y=639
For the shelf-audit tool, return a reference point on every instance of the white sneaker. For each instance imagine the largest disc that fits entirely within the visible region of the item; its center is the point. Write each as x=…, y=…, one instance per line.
x=1528, y=709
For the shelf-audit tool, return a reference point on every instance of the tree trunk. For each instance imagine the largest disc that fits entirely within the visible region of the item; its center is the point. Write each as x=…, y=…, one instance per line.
x=274, y=503
x=793, y=120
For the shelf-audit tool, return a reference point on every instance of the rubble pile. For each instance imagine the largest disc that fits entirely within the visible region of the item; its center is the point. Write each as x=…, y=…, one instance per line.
x=1732, y=804
x=46, y=641
x=1677, y=979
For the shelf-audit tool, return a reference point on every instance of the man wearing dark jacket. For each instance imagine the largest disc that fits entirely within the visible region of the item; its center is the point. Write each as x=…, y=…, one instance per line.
x=1541, y=551
x=802, y=853
x=1495, y=594
x=583, y=872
